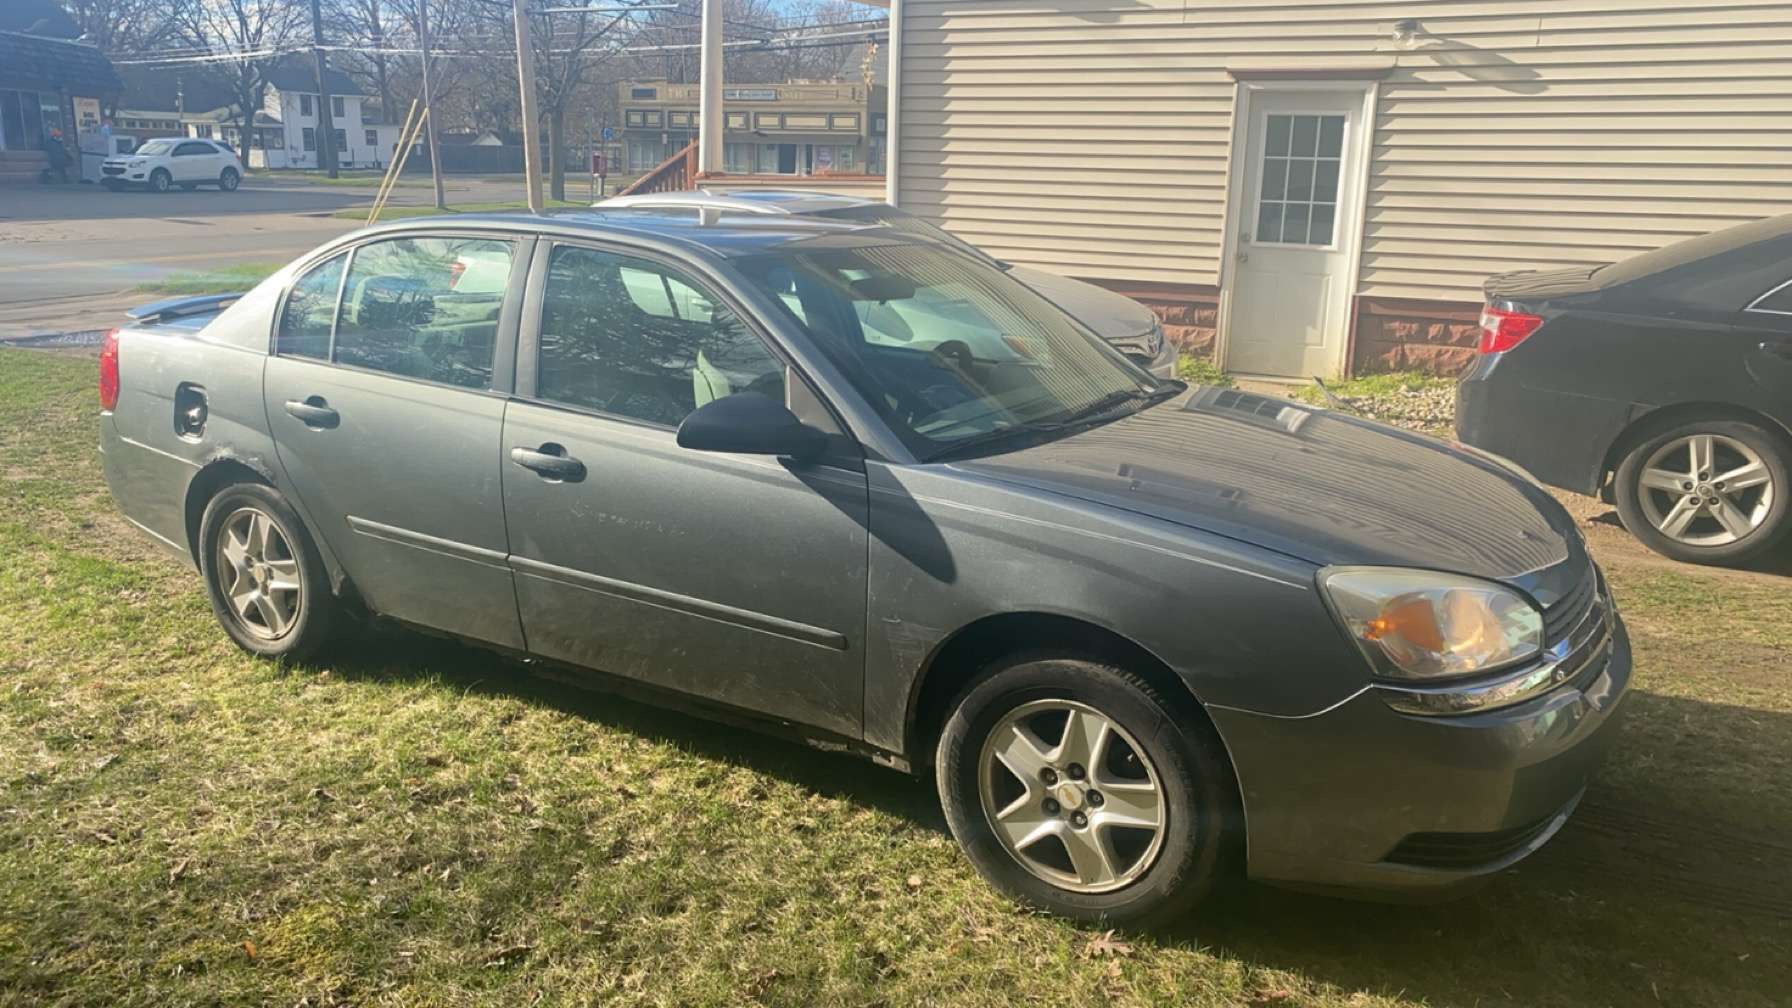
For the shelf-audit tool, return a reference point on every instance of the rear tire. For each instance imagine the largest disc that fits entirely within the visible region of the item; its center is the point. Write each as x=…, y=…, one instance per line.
x=1157, y=765
x=228, y=180
x=160, y=180
x=1672, y=494
x=266, y=580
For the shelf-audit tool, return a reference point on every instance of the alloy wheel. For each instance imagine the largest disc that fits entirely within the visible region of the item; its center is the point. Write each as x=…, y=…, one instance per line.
x=1072, y=796
x=259, y=574
x=1705, y=490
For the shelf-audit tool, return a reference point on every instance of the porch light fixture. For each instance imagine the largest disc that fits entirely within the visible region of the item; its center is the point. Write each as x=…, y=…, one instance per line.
x=1407, y=33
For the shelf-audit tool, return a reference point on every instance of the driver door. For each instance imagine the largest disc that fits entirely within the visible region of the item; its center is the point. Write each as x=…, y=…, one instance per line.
x=736, y=578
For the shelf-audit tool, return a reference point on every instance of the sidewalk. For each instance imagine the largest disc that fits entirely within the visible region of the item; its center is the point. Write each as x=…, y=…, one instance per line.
x=36, y=318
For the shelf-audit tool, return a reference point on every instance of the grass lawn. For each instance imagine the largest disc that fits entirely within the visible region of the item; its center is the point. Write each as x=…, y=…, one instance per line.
x=421, y=823
x=350, y=178
x=223, y=280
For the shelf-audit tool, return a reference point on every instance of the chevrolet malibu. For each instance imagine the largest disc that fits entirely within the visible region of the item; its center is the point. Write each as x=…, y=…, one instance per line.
x=863, y=488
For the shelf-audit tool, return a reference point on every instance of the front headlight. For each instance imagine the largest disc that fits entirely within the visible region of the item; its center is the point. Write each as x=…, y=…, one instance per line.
x=1413, y=624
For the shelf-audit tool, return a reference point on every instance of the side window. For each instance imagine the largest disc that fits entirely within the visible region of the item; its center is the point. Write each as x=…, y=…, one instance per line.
x=425, y=308
x=1778, y=300
x=636, y=339
x=310, y=312
x=190, y=149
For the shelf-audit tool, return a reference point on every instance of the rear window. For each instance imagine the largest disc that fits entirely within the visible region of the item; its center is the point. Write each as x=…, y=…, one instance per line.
x=1725, y=269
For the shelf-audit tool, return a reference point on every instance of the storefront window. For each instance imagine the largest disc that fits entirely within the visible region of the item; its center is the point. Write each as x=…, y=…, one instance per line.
x=768, y=158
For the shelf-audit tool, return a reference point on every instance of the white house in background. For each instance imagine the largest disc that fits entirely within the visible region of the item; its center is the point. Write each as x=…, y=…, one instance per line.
x=285, y=133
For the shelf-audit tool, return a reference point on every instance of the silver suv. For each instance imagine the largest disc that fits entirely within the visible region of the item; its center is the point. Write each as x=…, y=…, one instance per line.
x=1129, y=326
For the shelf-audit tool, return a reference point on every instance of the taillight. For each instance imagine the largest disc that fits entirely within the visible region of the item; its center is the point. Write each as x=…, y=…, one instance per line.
x=1502, y=330
x=109, y=370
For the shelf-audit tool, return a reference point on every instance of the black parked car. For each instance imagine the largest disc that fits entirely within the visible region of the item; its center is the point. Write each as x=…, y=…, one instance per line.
x=1662, y=383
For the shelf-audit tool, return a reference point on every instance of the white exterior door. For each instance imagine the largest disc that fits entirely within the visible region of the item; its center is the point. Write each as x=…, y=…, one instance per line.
x=1297, y=222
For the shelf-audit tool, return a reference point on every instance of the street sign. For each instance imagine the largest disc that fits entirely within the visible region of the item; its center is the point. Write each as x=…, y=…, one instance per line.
x=609, y=133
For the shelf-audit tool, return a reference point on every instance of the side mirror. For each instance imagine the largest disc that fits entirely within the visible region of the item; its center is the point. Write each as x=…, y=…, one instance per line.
x=748, y=423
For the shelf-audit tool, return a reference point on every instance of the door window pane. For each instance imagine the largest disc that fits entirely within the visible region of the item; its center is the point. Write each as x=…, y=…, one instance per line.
x=425, y=308
x=310, y=312
x=1779, y=300
x=633, y=338
x=1297, y=196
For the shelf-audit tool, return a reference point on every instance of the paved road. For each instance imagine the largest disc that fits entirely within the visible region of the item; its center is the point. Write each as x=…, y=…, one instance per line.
x=62, y=244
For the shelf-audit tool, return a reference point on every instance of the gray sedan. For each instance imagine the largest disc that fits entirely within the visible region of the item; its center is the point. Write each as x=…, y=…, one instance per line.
x=858, y=486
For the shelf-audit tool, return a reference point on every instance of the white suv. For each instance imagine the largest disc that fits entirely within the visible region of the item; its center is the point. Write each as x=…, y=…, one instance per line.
x=174, y=161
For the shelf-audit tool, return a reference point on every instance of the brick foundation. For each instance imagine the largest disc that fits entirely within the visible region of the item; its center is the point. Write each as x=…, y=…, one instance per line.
x=1391, y=334
x=1436, y=337
x=1190, y=314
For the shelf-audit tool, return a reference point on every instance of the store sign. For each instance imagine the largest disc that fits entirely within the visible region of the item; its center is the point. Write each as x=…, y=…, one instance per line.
x=749, y=94
x=87, y=114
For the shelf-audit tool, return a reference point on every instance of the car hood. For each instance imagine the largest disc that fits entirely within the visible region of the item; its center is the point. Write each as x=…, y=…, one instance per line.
x=1314, y=484
x=1112, y=316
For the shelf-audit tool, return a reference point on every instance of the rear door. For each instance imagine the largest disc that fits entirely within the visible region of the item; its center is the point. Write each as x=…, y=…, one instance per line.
x=192, y=162
x=732, y=577
x=1768, y=323
x=386, y=396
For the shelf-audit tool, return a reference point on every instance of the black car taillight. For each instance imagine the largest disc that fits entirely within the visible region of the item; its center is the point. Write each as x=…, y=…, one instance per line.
x=1502, y=330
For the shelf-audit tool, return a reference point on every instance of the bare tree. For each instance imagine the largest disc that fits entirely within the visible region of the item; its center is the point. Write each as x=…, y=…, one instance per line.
x=127, y=27
x=250, y=35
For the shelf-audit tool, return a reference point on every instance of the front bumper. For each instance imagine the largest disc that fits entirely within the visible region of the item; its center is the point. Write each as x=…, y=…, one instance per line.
x=1365, y=799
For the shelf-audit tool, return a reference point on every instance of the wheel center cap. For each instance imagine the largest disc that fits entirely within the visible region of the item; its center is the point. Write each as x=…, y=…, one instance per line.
x=1706, y=490
x=1069, y=794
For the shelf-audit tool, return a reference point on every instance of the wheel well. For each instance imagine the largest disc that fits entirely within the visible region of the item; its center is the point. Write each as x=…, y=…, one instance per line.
x=975, y=646
x=1658, y=420
x=205, y=486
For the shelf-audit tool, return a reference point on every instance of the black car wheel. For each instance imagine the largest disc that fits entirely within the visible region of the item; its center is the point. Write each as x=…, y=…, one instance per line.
x=266, y=580
x=160, y=180
x=1708, y=491
x=228, y=180
x=1078, y=788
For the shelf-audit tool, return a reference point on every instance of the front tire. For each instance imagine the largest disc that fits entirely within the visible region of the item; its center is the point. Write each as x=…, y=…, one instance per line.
x=1708, y=491
x=266, y=580
x=160, y=180
x=1078, y=788
x=228, y=180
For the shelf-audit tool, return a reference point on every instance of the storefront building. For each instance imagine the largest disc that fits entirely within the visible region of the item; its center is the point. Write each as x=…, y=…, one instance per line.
x=772, y=129
x=48, y=87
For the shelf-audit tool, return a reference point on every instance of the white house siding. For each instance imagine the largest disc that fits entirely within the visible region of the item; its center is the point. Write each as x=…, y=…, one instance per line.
x=1092, y=136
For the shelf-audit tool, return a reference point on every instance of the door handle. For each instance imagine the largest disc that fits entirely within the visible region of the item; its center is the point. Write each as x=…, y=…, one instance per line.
x=314, y=412
x=1778, y=348
x=550, y=462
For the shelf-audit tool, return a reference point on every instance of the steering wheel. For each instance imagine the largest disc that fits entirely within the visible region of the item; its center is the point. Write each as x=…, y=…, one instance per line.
x=952, y=355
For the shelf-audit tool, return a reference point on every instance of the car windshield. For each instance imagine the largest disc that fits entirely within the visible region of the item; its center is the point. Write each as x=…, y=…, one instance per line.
x=906, y=223
x=155, y=148
x=949, y=349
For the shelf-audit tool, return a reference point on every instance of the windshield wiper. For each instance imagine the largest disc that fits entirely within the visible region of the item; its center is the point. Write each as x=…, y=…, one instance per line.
x=1083, y=415
x=1112, y=401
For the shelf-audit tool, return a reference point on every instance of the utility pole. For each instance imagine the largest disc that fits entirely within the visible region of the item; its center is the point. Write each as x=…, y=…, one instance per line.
x=429, y=120
x=525, y=79
x=710, y=116
x=326, y=129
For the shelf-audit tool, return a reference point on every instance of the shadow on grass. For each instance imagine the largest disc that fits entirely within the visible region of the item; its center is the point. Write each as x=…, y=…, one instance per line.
x=392, y=654
x=1662, y=889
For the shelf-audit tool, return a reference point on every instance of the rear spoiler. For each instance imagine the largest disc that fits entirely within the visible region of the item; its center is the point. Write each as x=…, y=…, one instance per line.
x=160, y=311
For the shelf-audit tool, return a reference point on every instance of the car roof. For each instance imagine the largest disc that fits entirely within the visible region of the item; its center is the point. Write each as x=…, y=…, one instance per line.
x=725, y=233
x=754, y=201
